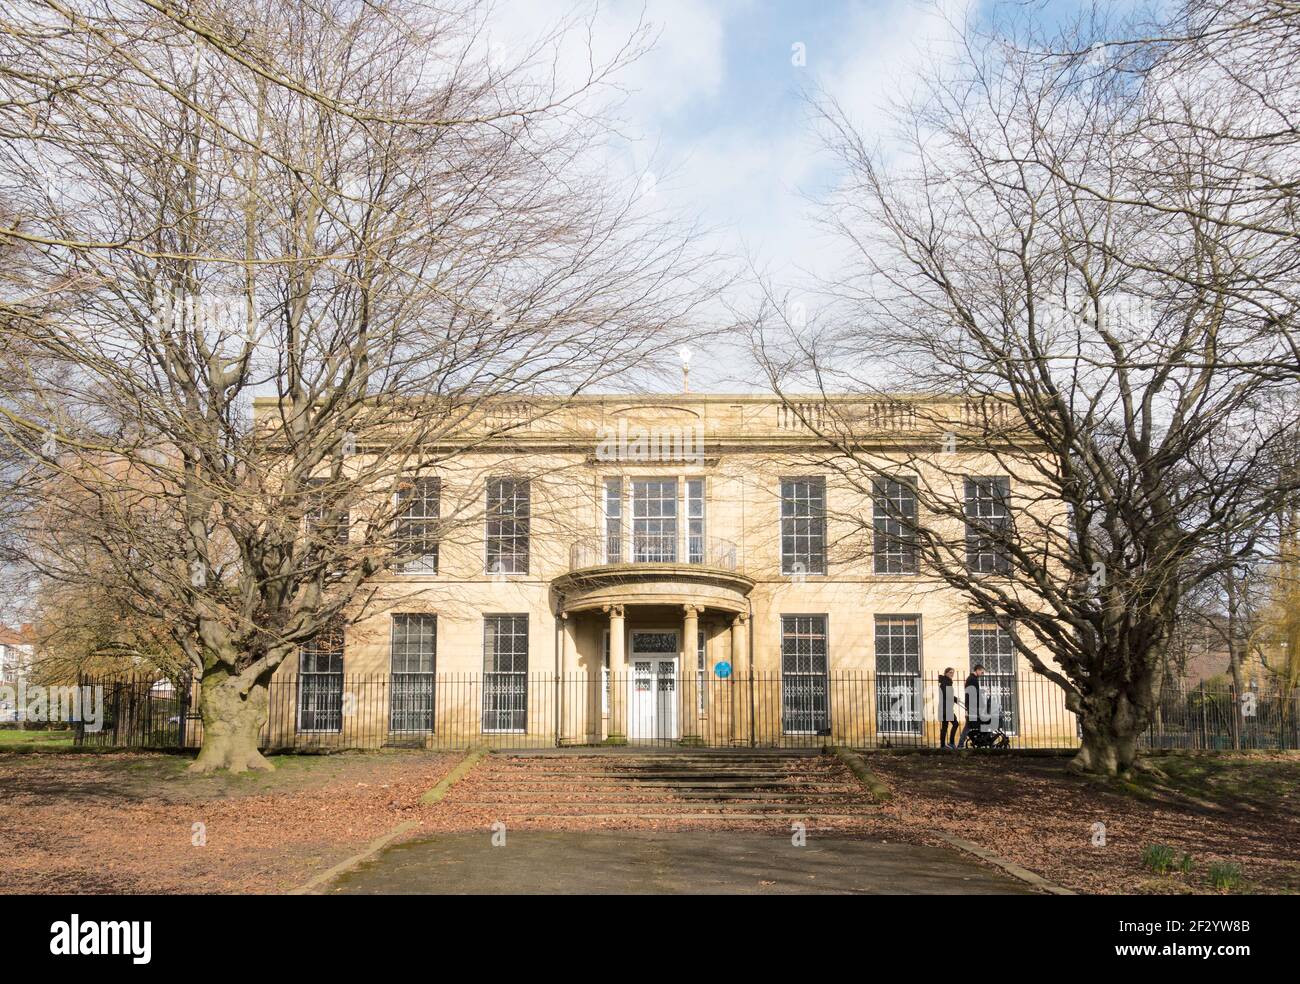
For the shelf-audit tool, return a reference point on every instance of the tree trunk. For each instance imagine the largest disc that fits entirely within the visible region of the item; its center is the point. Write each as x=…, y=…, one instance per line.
x=1112, y=728
x=1106, y=752
x=232, y=721
x=1234, y=660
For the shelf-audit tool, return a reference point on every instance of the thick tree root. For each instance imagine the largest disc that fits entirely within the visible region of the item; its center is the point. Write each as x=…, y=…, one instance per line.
x=1110, y=757
x=232, y=722
x=230, y=756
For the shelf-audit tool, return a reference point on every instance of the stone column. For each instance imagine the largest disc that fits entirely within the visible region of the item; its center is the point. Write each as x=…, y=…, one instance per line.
x=617, y=676
x=741, y=674
x=689, y=687
x=571, y=702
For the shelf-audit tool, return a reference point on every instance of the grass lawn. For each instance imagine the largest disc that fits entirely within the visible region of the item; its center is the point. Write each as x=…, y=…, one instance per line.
x=13, y=739
x=1241, y=810
x=138, y=822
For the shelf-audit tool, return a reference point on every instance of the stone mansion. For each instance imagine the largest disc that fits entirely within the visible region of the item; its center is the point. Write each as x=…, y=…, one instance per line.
x=678, y=568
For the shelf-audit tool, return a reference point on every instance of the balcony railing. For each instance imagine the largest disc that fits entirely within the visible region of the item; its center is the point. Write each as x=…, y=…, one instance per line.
x=652, y=548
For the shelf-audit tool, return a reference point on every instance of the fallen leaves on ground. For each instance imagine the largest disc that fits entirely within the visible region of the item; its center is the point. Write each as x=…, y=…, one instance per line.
x=125, y=823
x=1035, y=812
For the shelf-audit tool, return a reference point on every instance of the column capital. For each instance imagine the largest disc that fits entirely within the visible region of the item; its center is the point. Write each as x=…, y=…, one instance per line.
x=613, y=611
x=741, y=618
x=693, y=610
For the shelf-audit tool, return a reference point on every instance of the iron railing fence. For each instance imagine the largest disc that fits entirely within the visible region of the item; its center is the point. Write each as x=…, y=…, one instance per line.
x=513, y=710
x=141, y=712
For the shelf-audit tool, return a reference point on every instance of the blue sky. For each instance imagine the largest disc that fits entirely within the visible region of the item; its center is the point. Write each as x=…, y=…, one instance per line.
x=717, y=115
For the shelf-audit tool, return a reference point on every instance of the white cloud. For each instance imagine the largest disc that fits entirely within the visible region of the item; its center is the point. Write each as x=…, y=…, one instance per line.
x=714, y=111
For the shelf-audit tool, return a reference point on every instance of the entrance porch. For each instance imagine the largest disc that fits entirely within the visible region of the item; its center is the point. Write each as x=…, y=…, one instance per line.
x=654, y=673
x=651, y=653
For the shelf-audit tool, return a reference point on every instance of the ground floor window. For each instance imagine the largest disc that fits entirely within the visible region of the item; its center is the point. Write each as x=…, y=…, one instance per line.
x=702, y=672
x=604, y=674
x=991, y=645
x=505, y=673
x=898, y=674
x=805, y=702
x=320, y=682
x=414, y=650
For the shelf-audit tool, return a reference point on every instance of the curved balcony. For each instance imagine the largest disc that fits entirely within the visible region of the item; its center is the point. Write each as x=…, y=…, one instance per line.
x=653, y=569
x=641, y=549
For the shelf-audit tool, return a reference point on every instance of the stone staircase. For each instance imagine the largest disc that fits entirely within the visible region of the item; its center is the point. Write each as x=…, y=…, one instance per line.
x=720, y=785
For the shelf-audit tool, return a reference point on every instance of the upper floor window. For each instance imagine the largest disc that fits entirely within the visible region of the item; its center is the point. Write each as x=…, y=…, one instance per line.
x=324, y=518
x=613, y=520
x=803, y=525
x=508, y=511
x=695, y=520
x=417, y=526
x=988, y=523
x=654, y=520
x=894, y=518
x=654, y=533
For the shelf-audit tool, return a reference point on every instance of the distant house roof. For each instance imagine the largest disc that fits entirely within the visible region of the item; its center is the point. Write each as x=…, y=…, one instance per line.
x=22, y=636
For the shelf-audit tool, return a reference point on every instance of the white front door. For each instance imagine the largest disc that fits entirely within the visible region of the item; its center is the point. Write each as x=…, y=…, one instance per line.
x=652, y=685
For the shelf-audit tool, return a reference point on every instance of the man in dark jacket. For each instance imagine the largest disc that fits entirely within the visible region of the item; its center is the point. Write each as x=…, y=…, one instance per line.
x=947, y=710
x=974, y=703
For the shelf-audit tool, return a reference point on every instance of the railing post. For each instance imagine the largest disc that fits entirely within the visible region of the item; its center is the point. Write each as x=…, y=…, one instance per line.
x=79, y=732
x=559, y=708
x=182, y=709
x=1295, y=719
x=1205, y=721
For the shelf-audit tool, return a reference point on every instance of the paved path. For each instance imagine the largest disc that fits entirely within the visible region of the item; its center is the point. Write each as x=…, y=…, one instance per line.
x=638, y=862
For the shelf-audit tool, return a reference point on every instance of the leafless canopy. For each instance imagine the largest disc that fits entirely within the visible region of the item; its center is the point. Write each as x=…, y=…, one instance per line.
x=361, y=213
x=1098, y=241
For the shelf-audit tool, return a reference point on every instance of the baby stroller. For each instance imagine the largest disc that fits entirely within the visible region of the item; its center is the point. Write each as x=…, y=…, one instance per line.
x=988, y=739
x=982, y=737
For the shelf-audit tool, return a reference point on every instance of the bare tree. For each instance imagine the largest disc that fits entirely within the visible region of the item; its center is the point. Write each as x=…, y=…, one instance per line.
x=355, y=213
x=1055, y=239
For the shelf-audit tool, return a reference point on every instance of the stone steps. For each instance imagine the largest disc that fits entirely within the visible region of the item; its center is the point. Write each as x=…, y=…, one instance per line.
x=672, y=779
x=709, y=785
x=727, y=817
x=772, y=787
x=724, y=796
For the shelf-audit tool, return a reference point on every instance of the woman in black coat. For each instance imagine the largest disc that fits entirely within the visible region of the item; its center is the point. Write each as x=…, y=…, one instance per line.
x=947, y=710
